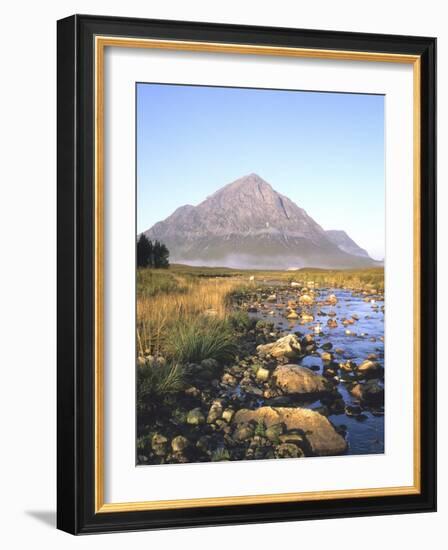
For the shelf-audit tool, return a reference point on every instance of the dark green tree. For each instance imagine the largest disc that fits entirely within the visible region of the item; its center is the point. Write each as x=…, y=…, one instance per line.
x=151, y=254
x=144, y=252
x=160, y=255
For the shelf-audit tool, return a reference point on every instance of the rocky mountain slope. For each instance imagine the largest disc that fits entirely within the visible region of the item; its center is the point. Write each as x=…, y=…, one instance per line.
x=247, y=224
x=345, y=243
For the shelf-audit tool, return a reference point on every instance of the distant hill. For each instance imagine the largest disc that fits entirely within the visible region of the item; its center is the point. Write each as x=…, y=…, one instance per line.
x=247, y=224
x=345, y=243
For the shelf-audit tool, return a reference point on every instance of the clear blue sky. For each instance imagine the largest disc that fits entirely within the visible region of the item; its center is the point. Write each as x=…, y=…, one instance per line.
x=325, y=151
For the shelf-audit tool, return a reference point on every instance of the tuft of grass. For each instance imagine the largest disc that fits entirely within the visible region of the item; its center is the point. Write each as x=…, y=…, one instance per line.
x=144, y=442
x=260, y=428
x=199, y=339
x=159, y=311
x=262, y=324
x=156, y=381
x=240, y=321
x=220, y=455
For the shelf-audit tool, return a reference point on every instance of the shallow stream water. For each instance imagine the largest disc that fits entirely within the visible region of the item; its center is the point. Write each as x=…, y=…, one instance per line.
x=365, y=433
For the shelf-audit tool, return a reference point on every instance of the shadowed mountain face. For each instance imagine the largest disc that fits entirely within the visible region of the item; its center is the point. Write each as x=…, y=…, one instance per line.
x=247, y=224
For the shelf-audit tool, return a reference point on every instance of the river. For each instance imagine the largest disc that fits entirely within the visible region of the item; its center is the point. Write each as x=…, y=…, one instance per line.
x=354, y=342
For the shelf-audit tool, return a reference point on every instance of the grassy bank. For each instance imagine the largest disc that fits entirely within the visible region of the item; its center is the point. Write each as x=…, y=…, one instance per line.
x=355, y=279
x=196, y=340
x=175, y=307
x=182, y=299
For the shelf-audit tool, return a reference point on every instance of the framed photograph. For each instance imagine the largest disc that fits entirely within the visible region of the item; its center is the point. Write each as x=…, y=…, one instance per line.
x=246, y=274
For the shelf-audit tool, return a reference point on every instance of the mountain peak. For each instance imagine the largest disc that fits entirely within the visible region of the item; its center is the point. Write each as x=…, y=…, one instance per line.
x=247, y=190
x=248, y=223
x=251, y=177
x=250, y=182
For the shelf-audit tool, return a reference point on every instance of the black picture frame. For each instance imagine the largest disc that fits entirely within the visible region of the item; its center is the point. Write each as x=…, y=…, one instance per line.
x=76, y=265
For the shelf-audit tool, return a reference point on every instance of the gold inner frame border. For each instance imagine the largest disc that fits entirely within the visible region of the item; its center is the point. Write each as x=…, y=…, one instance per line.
x=101, y=42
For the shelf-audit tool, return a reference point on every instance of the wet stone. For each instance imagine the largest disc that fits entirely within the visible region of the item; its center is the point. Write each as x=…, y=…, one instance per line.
x=195, y=417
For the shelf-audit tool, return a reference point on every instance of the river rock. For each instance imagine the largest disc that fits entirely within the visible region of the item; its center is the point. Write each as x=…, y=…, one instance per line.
x=227, y=415
x=332, y=300
x=229, y=379
x=368, y=369
x=292, y=437
x=288, y=450
x=306, y=300
x=192, y=391
x=243, y=432
x=371, y=392
x=294, y=379
x=262, y=374
x=321, y=436
x=222, y=425
x=352, y=410
x=159, y=444
x=306, y=318
x=179, y=443
x=308, y=339
x=292, y=315
x=274, y=432
x=195, y=417
x=215, y=411
x=251, y=389
x=348, y=366
x=288, y=346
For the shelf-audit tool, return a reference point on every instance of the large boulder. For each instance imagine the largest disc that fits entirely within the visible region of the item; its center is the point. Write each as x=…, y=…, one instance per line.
x=294, y=379
x=288, y=346
x=320, y=434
